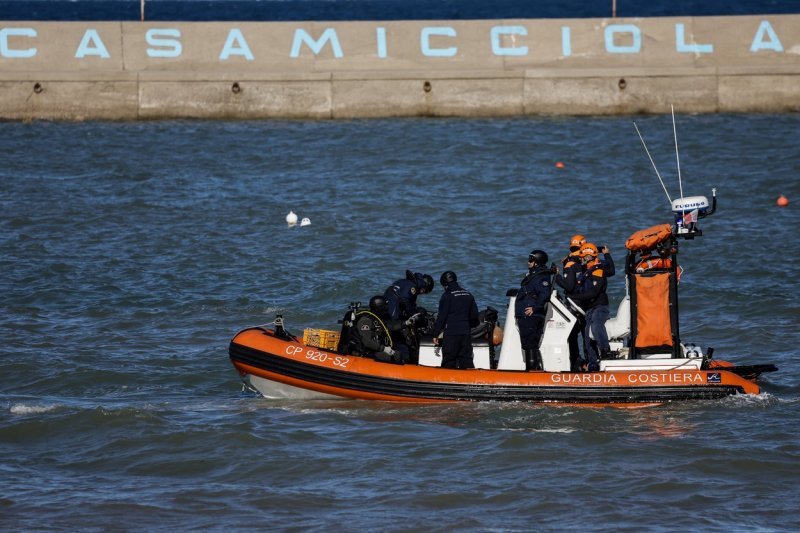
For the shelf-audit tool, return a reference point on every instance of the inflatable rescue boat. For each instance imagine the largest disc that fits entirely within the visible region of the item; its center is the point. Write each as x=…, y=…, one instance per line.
x=650, y=364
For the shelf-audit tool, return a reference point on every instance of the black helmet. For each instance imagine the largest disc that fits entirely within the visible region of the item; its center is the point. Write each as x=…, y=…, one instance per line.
x=378, y=305
x=427, y=283
x=448, y=278
x=539, y=256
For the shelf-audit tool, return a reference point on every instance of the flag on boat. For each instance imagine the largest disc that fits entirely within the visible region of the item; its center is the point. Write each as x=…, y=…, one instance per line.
x=690, y=217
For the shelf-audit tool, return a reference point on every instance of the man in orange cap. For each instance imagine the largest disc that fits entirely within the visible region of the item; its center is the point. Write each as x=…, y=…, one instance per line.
x=591, y=294
x=567, y=280
x=575, y=244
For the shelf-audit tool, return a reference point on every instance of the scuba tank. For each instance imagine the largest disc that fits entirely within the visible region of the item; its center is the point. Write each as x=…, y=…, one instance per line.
x=347, y=323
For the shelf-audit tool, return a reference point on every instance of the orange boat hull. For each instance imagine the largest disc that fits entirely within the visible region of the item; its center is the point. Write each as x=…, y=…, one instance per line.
x=257, y=352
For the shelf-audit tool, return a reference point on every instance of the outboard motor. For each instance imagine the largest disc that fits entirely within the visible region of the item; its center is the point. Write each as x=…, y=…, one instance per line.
x=689, y=210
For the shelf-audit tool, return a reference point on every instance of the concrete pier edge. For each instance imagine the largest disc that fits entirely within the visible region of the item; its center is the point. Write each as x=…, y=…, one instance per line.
x=321, y=70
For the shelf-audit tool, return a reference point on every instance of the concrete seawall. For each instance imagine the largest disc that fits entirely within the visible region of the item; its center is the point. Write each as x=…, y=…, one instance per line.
x=151, y=70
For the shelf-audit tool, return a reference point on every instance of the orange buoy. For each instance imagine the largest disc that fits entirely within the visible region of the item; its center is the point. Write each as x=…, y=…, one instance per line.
x=782, y=201
x=559, y=164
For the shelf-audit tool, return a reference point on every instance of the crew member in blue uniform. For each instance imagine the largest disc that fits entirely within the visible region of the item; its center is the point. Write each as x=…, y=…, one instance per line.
x=530, y=309
x=402, y=294
x=608, y=262
x=591, y=294
x=568, y=280
x=458, y=314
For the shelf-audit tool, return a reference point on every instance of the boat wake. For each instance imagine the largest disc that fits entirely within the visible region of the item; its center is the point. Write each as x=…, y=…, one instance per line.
x=541, y=430
x=763, y=399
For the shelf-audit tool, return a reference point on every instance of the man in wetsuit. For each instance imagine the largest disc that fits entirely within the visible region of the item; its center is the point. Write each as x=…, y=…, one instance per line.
x=371, y=334
x=530, y=310
x=458, y=314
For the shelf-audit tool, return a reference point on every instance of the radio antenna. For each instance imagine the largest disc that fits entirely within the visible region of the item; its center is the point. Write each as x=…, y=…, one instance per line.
x=653, y=163
x=677, y=157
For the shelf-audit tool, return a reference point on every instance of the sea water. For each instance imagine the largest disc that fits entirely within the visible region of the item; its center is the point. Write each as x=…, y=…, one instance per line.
x=131, y=253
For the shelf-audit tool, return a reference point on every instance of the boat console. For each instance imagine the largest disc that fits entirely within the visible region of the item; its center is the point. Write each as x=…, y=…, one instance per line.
x=431, y=355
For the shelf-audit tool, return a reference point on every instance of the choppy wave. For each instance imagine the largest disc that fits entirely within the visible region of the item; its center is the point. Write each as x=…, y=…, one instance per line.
x=23, y=409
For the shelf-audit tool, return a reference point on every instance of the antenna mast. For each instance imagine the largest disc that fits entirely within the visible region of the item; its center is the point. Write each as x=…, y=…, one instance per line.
x=653, y=163
x=677, y=157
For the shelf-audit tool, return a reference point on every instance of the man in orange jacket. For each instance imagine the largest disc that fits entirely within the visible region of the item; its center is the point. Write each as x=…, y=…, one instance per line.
x=591, y=294
x=567, y=280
